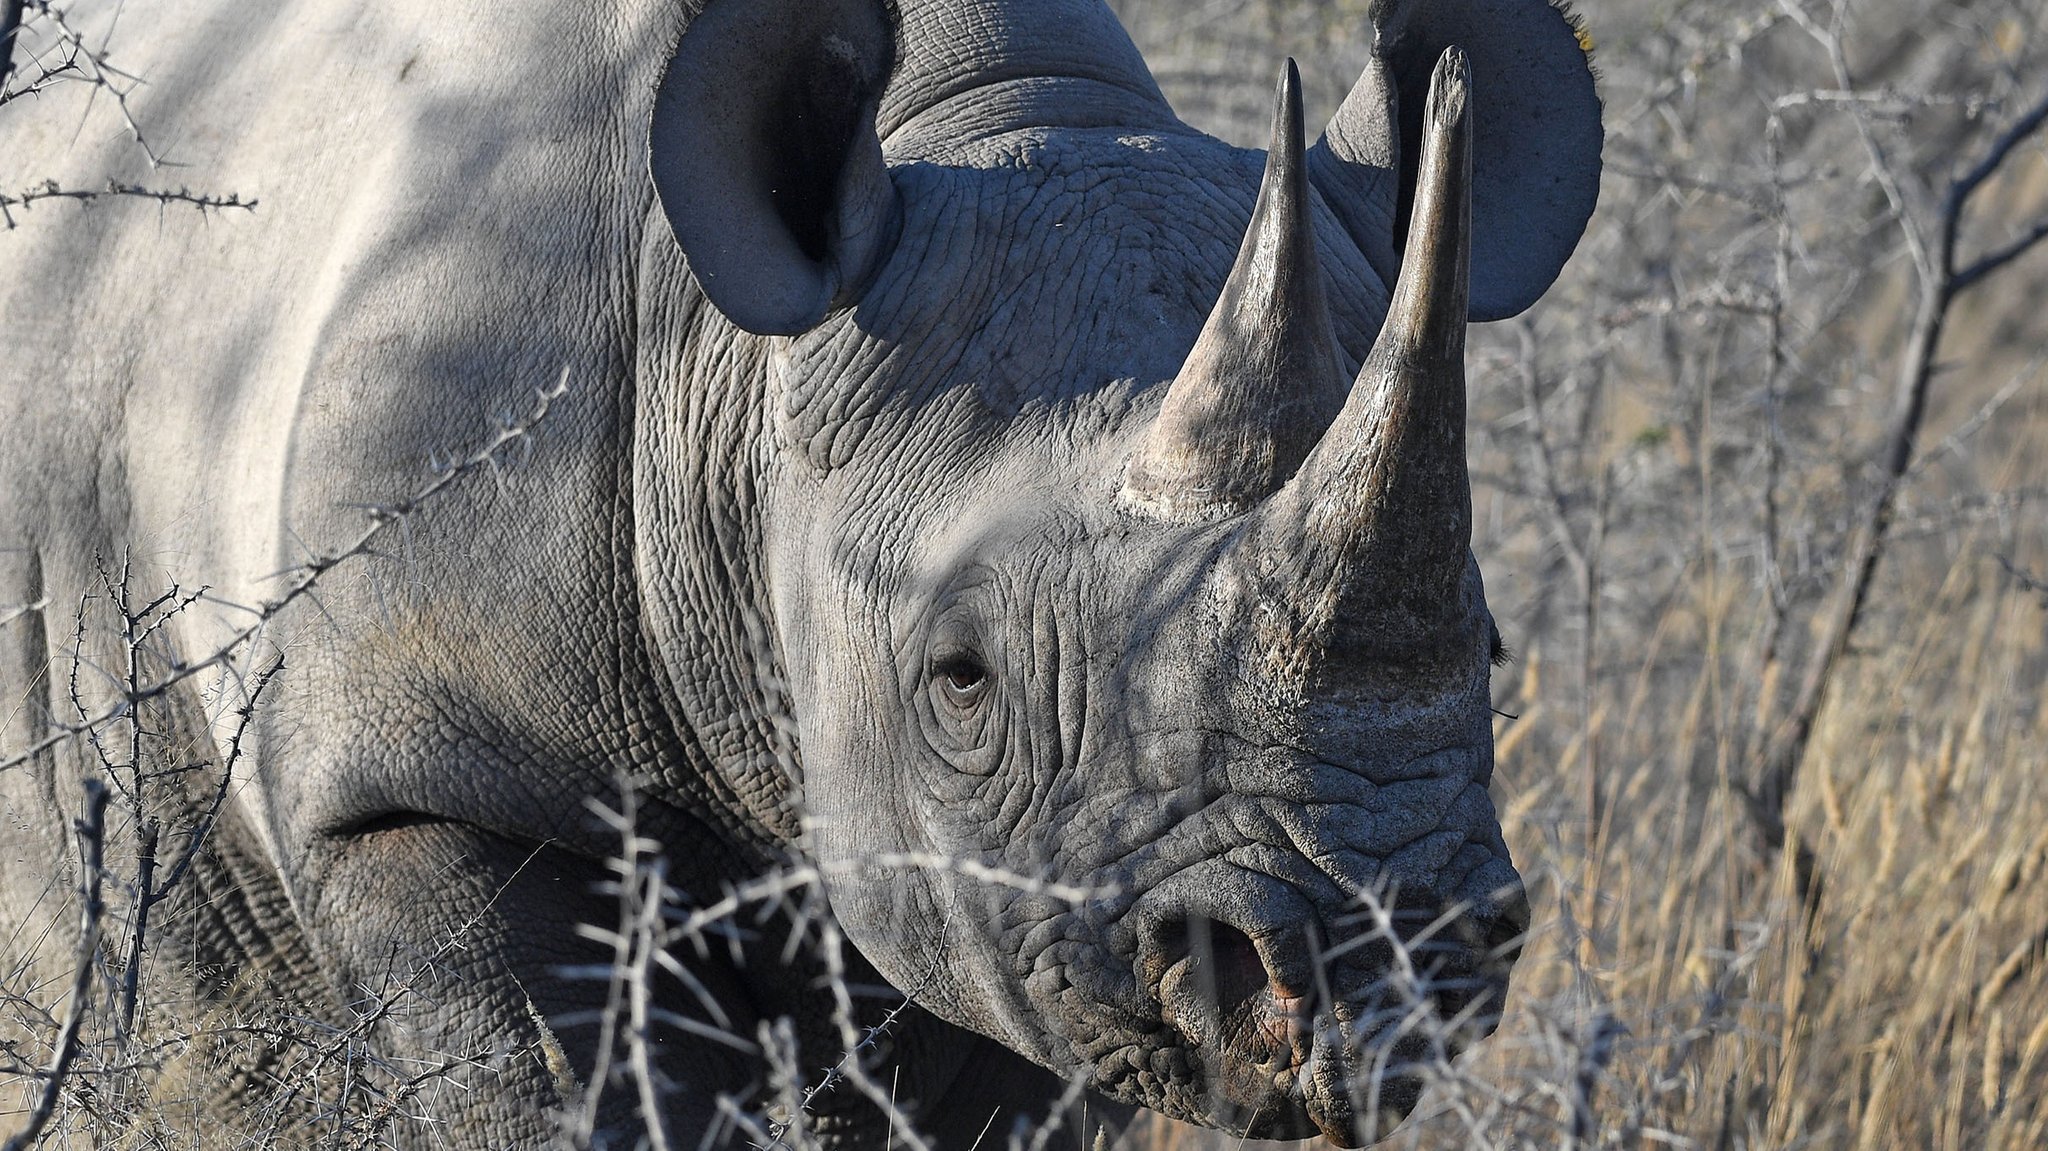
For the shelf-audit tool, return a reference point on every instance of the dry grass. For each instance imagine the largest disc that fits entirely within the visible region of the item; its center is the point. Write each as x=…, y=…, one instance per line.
x=1908, y=1005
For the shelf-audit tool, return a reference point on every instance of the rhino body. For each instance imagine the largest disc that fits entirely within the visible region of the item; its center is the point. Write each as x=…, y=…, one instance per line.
x=889, y=516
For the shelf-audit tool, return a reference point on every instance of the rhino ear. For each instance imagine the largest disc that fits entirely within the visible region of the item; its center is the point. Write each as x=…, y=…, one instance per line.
x=1535, y=149
x=764, y=154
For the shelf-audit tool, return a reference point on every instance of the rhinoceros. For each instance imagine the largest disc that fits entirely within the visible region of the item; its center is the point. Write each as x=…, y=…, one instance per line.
x=1046, y=522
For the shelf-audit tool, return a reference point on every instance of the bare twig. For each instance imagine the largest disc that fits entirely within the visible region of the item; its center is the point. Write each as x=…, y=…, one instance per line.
x=1954, y=442
x=1966, y=186
x=51, y=190
x=1885, y=100
x=1830, y=38
x=91, y=832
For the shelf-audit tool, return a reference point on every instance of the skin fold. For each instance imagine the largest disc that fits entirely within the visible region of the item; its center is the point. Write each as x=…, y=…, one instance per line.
x=833, y=546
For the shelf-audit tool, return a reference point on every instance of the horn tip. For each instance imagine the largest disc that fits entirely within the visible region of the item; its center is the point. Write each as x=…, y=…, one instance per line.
x=1287, y=115
x=1450, y=87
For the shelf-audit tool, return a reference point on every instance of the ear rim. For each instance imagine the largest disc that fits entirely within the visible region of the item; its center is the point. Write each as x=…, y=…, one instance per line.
x=710, y=155
x=1536, y=150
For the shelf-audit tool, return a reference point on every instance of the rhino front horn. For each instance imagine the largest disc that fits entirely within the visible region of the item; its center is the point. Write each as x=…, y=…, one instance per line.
x=1373, y=534
x=1262, y=380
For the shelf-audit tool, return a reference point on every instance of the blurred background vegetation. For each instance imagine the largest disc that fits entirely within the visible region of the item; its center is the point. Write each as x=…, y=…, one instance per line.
x=1760, y=500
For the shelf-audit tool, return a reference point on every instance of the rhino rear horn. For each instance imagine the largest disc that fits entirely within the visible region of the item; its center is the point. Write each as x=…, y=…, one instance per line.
x=1535, y=148
x=764, y=154
x=1262, y=381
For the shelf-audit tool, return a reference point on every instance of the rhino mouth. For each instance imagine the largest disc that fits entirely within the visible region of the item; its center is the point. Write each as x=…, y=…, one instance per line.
x=1276, y=1064
x=1258, y=1026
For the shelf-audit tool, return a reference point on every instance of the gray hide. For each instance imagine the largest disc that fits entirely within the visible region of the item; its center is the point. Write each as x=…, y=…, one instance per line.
x=890, y=525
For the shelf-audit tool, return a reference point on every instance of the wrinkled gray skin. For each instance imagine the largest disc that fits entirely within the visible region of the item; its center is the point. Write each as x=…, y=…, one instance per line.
x=873, y=585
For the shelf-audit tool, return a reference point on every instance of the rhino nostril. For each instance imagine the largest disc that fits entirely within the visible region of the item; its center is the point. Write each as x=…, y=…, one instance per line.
x=1239, y=972
x=1221, y=992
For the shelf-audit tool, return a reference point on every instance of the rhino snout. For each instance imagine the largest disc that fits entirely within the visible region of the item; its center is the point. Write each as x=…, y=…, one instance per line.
x=1306, y=1020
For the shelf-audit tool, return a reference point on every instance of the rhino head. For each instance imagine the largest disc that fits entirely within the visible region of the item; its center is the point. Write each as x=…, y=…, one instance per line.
x=1116, y=522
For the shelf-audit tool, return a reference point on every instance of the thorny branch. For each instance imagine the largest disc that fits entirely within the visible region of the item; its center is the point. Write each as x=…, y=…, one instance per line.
x=96, y=68
x=370, y=1132
x=71, y=58
x=51, y=190
x=656, y=921
x=779, y=1132
x=832, y=947
x=149, y=891
x=196, y=837
x=47, y=72
x=348, y=1044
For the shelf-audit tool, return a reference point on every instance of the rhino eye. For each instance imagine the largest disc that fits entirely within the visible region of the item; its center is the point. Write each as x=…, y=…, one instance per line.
x=962, y=678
